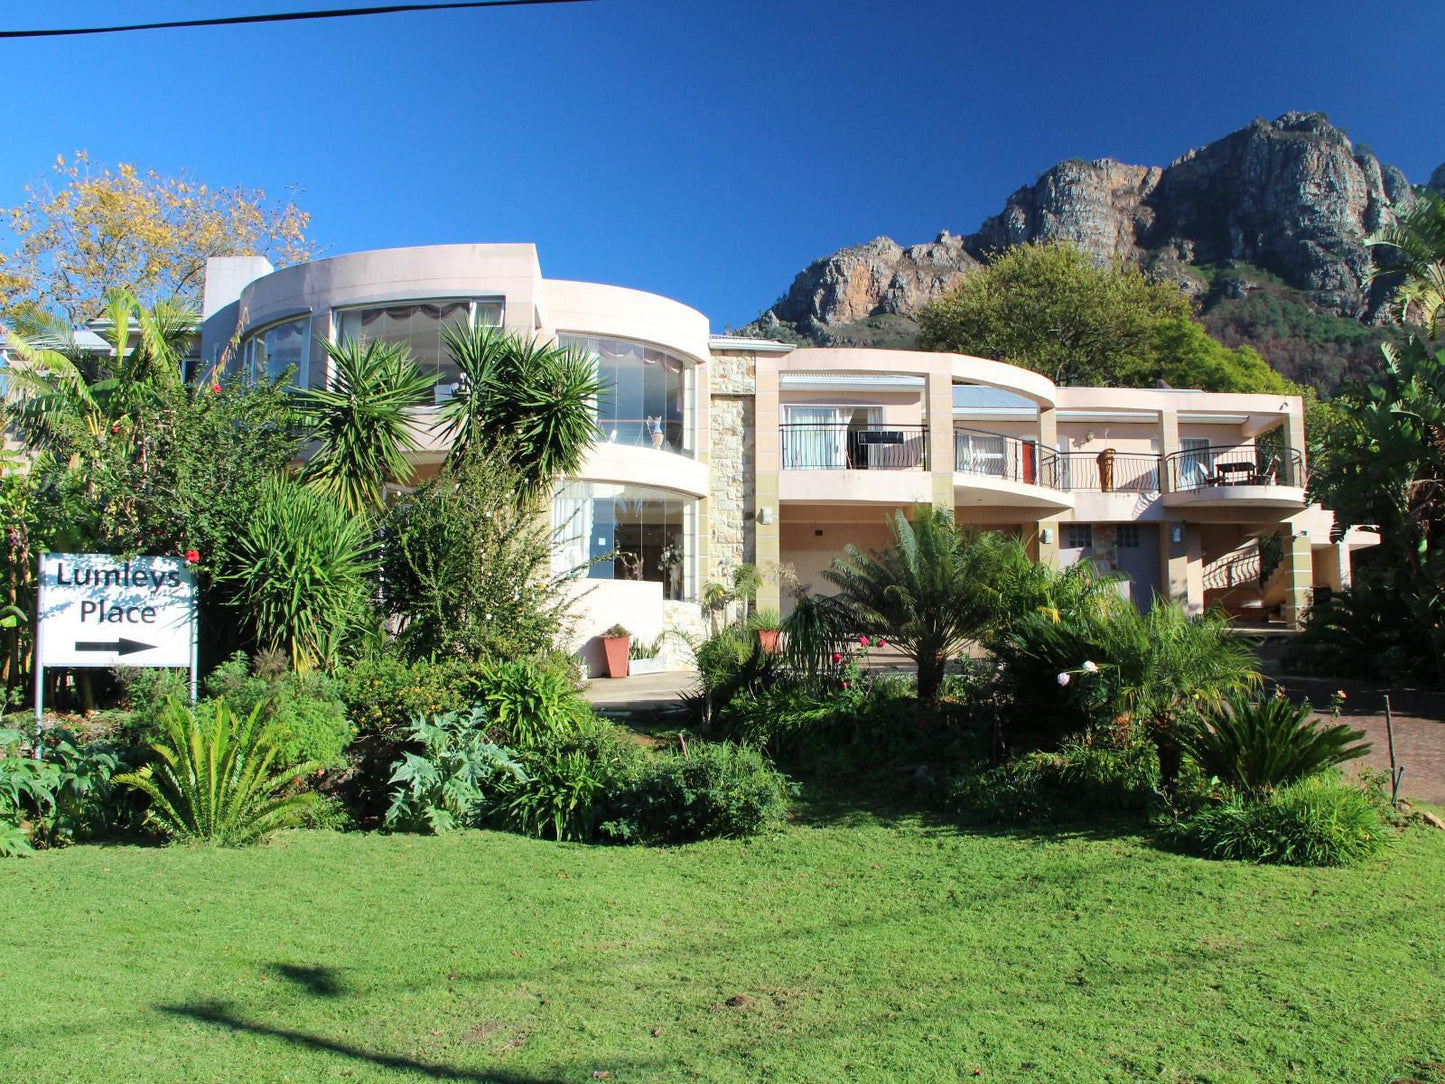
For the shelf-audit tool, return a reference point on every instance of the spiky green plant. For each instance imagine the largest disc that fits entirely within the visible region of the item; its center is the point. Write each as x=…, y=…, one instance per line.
x=532, y=398
x=1418, y=238
x=303, y=572
x=215, y=779
x=363, y=422
x=1257, y=745
x=922, y=592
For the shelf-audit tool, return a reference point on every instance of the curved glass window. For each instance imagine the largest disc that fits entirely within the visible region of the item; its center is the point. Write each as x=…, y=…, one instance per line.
x=268, y=353
x=418, y=326
x=650, y=402
x=627, y=533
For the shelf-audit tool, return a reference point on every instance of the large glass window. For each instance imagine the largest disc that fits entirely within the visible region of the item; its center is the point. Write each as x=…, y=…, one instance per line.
x=270, y=352
x=418, y=326
x=650, y=397
x=626, y=533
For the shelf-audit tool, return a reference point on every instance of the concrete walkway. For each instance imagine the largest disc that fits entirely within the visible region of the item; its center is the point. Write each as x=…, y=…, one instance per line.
x=647, y=692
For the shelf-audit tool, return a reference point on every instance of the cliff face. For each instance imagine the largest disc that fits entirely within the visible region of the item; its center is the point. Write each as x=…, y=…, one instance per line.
x=1291, y=197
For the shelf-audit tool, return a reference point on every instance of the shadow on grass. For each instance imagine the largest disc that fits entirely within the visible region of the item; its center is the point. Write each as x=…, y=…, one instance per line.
x=219, y=1014
x=316, y=981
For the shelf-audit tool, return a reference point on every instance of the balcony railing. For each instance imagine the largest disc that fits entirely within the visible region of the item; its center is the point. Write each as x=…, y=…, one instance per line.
x=876, y=446
x=1105, y=472
x=976, y=451
x=1202, y=468
x=666, y=435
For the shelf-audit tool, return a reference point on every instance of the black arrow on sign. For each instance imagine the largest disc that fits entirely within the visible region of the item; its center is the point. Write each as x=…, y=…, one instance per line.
x=120, y=647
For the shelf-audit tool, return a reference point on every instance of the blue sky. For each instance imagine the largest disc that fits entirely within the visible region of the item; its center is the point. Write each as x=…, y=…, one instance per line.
x=702, y=149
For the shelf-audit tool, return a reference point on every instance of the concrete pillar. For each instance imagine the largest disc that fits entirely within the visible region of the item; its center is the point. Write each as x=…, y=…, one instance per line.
x=938, y=412
x=1044, y=547
x=1181, y=550
x=1298, y=578
x=1168, y=445
x=767, y=461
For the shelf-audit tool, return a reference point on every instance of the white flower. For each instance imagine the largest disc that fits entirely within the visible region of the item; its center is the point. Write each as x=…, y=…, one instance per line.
x=1090, y=667
x=1064, y=679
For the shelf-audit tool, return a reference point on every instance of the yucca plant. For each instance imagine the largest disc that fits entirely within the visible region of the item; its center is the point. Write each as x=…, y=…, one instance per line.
x=215, y=779
x=303, y=570
x=1254, y=746
x=362, y=424
x=532, y=398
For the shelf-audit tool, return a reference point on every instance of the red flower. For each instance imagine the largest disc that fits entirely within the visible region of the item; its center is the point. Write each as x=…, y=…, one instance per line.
x=193, y=557
x=882, y=643
x=115, y=427
x=215, y=389
x=863, y=640
x=837, y=657
x=845, y=684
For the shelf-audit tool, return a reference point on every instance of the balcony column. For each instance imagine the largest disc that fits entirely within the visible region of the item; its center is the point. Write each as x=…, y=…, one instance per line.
x=1045, y=546
x=1182, y=557
x=767, y=461
x=1299, y=568
x=939, y=412
x=1168, y=445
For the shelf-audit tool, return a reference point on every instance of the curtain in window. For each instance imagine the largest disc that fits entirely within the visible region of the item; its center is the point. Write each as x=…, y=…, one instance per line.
x=815, y=438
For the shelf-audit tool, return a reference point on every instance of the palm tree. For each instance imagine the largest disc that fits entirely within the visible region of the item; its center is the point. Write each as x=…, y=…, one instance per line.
x=1169, y=667
x=69, y=400
x=533, y=398
x=921, y=592
x=363, y=423
x=1418, y=237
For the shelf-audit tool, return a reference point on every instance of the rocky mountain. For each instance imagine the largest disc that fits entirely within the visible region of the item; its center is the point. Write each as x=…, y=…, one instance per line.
x=1267, y=220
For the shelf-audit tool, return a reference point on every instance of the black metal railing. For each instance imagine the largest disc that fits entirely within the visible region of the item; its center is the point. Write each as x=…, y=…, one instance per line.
x=1108, y=472
x=1250, y=465
x=876, y=446
x=977, y=451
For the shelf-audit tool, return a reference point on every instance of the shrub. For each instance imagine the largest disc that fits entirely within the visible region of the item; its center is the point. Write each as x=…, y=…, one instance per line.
x=216, y=779
x=66, y=796
x=1255, y=745
x=528, y=700
x=570, y=775
x=1079, y=778
x=716, y=790
x=1318, y=821
x=302, y=572
x=446, y=785
x=305, y=714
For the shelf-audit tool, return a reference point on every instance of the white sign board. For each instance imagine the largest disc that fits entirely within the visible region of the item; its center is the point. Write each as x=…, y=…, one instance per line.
x=99, y=610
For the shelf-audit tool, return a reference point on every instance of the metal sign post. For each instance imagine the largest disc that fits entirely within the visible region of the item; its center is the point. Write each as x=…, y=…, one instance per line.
x=93, y=609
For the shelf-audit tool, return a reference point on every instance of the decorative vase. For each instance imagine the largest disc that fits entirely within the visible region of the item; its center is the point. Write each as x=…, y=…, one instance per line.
x=618, y=649
x=768, y=640
x=657, y=438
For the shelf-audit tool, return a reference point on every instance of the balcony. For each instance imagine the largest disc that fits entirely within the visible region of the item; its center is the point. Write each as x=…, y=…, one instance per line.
x=876, y=446
x=991, y=468
x=842, y=463
x=1106, y=472
x=1252, y=476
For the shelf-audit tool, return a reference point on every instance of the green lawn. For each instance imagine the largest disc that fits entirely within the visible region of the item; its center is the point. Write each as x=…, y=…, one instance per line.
x=864, y=950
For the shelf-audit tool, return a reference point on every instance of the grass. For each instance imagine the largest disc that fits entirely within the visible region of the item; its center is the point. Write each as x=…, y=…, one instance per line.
x=861, y=948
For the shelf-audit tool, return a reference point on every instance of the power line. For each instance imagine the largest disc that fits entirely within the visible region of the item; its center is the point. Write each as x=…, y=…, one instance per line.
x=278, y=17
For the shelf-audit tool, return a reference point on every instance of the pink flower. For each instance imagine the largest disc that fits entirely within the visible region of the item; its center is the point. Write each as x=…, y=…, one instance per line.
x=1341, y=694
x=837, y=657
x=1064, y=679
x=845, y=684
x=863, y=640
x=193, y=557
x=882, y=643
x=215, y=389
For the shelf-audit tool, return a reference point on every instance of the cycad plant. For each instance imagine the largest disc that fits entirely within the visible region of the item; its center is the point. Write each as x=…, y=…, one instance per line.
x=922, y=592
x=532, y=398
x=363, y=422
x=216, y=780
x=1418, y=241
x=303, y=571
x=1254, y=746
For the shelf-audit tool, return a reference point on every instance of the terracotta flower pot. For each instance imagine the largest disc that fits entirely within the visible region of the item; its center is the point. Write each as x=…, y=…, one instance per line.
x=618, y=649
x=768, y=638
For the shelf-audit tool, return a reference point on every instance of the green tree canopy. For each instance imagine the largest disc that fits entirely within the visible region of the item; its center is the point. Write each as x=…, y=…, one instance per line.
x=1051, y=309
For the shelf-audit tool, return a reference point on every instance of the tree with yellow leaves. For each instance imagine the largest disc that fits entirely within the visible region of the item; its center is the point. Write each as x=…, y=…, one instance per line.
x=90, y=229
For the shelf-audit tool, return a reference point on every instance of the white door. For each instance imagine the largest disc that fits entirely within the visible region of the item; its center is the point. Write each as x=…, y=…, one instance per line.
x=1196, y=464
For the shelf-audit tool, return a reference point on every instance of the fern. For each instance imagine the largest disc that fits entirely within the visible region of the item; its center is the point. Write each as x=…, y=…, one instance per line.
x=216, y=781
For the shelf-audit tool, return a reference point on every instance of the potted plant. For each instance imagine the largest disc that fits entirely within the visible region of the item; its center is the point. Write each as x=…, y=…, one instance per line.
x=768, y=625
x=617, y=643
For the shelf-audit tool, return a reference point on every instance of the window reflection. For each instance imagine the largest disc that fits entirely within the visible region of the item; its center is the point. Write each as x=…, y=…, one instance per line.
x=418, y=325
x=626, y=533
x=651, y=396
x=270, y=352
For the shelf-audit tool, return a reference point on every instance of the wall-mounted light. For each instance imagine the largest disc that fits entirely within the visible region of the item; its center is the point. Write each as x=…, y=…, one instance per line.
x=765, y=515
x=1176, y=533
x=1046, y=535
